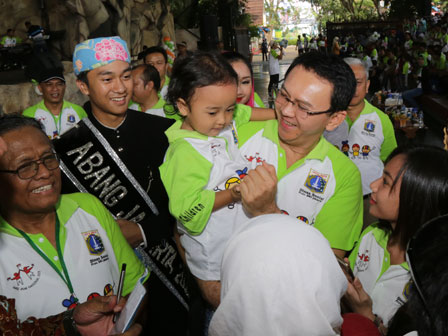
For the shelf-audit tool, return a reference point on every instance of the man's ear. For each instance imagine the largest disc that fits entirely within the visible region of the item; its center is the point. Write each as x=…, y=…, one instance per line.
x=182, y=107
x=149, y=86
x=367, y=86
x=335, y=120
x=83, y=87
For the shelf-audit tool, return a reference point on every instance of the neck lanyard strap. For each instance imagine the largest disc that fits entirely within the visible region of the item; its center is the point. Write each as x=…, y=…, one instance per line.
x=64, y=277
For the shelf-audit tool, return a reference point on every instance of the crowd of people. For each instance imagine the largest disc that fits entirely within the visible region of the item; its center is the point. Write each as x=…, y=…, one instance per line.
x=238, y=219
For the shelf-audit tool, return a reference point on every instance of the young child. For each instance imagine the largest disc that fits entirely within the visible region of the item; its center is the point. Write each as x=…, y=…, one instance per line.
x=203, y=165
x=246, y=93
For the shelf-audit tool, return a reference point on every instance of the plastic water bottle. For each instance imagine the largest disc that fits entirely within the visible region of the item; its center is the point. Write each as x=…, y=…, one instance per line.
x=420, y=120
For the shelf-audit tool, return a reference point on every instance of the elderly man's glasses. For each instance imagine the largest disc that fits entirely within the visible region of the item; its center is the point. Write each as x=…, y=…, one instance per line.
x=30, y=169
x=283, y=99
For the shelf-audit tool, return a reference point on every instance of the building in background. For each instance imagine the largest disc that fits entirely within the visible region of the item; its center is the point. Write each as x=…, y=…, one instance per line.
x=256, y=9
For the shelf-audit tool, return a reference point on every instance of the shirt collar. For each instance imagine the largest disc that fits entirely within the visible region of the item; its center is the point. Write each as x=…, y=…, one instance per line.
x=319, y=152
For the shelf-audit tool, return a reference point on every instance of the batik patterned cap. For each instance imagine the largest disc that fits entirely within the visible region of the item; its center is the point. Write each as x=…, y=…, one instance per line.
x=91, y=54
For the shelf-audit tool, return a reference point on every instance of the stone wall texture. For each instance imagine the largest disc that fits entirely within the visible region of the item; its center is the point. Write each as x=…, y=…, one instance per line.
x=139, y=22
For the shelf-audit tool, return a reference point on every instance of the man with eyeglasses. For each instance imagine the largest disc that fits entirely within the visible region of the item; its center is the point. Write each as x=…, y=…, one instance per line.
x=299, y=173
x=158, y=58
x=54, y=113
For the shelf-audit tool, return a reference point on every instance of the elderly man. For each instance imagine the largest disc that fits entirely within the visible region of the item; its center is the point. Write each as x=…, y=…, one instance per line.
x=316, y=183
x=157, y=57
x=56, y=114
x=115, y=154
x=366, y=135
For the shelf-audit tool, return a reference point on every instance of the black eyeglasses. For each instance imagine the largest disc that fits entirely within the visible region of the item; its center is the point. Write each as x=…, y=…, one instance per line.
x=29, y=170
x=283, y=99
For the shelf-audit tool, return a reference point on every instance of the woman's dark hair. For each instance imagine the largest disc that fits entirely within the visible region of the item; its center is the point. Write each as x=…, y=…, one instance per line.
x=429, y=262
x=233, y=56
x=334, y=70
x=150, y=74
x=423, y=190
x=196, y=71
x=11, y=122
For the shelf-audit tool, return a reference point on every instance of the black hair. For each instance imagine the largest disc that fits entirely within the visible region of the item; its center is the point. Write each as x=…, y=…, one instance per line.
x=150, y=74
x=156, y=49
x=11, y=122
x=423, y=191
x=334, y=70
x=82, y=76
x=198, y=70
x=233, y=56
x=430, y=266
x=9, y=30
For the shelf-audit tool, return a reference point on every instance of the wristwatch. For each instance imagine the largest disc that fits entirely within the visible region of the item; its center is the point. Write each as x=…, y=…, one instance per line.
x=69, y=323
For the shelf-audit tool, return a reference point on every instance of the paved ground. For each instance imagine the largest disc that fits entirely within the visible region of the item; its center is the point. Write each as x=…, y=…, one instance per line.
x=261, y=71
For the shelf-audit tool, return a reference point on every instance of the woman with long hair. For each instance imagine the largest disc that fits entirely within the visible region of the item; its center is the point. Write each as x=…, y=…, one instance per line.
x=412, y=190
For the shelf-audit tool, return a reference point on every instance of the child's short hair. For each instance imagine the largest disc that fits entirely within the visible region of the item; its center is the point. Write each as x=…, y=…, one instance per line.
x=196, y=71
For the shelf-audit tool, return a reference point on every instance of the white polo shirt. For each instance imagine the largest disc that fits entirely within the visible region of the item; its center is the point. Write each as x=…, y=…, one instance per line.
x=197, y=166
x=387, y=285
x=367, y=141
x=323, y=189
x=70, y=115
x=93, y=251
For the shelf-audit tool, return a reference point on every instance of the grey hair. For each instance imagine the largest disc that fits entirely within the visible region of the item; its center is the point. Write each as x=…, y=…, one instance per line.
x=356, y=61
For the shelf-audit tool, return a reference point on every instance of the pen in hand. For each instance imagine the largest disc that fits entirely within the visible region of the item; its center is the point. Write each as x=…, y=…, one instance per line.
x=120, y=288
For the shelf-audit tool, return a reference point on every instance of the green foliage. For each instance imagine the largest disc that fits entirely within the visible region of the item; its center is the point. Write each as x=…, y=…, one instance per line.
x=400, y=9
x=189, y=12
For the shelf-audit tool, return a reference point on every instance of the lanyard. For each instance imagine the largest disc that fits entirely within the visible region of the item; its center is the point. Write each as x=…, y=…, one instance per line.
x=64, y=277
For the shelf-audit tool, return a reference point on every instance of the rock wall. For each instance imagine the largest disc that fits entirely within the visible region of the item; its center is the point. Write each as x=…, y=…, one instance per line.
x=139, y=22
x=16, y=98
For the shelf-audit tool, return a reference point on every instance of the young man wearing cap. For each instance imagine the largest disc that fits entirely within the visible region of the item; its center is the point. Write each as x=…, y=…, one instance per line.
x=157, y=57
x=114, y=154
x=56, y=114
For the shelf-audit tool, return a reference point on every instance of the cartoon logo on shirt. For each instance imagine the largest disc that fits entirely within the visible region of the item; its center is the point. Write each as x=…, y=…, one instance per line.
x=316, y=182
x=345, y=147
x=365, y=151
x=25, y=277
x=93, y=295
x=257, y=158
x=70, y=303
x=362, y=262
x=242, y=173
x=71, y=118
x=303, y=219
x=406, y=289
x=108, y=290
x=235, y=135
x=355, y=150
x=369, y=126
x=93, y=242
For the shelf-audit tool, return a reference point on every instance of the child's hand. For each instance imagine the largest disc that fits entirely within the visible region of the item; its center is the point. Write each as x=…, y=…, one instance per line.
x=235, y=191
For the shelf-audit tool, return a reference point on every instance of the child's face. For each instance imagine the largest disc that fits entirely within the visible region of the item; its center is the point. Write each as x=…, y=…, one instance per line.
x=244, y=82
x=210, y=109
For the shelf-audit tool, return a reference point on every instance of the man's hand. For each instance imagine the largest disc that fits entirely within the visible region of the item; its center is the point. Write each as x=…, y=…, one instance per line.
x=94, y=317
x=131, y=232
x=258, y=190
